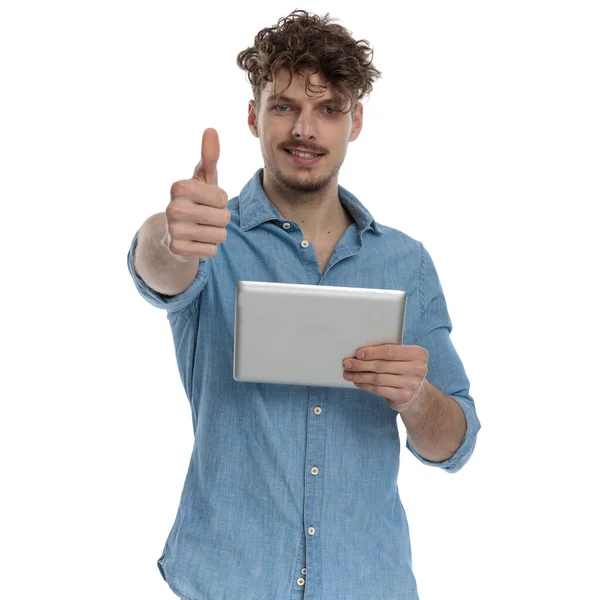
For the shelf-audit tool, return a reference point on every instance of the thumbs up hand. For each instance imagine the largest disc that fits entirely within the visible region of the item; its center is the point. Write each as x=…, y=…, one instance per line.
x=197, y=213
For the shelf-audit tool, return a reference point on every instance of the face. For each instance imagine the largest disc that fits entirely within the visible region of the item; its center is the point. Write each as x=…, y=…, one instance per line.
x=296, y=121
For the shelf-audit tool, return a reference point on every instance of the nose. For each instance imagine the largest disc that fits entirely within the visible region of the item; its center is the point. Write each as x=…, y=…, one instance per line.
x=304, y=130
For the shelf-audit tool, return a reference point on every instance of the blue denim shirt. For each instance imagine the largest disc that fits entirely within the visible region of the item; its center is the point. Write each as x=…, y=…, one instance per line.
x=291, y=491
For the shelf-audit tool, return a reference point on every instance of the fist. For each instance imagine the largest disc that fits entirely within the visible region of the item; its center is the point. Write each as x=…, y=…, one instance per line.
x=197, y=213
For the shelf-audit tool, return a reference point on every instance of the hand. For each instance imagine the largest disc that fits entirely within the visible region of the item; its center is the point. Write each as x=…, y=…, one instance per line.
x=197, y=213
x=394, y=371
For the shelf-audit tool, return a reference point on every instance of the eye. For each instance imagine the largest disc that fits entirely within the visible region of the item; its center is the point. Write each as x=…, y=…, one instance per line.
x=277, y=106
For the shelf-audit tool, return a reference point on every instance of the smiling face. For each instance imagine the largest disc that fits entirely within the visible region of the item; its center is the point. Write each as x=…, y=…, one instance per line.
x=296, y=120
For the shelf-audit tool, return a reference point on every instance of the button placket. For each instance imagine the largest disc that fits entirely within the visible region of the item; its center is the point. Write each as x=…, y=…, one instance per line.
x=314, y=470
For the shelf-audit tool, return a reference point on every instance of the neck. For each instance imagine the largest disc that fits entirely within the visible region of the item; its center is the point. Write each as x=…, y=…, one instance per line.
x=318, y=213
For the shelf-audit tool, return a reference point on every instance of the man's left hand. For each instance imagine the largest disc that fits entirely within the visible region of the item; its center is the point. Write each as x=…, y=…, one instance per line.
x=394, y=371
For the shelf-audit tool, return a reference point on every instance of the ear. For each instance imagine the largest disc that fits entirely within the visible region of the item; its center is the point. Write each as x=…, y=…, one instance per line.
x=253, y=118
x=356, y=122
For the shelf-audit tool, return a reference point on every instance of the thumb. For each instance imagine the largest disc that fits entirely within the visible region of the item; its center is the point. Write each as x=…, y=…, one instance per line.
x=206, y=169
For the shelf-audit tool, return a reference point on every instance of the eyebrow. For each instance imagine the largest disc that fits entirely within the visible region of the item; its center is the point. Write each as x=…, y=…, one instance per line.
x=292, y=101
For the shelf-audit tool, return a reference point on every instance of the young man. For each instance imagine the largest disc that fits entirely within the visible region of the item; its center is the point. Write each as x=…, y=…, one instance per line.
x=292, y=490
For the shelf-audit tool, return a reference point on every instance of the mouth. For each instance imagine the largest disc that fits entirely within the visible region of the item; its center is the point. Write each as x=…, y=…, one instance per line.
x=304, y=161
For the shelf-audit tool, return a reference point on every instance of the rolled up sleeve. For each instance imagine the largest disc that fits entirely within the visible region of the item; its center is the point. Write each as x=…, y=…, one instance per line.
x=445, y=368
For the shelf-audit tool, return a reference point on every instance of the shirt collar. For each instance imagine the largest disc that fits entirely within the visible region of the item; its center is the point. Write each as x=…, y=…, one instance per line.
x=256, y=208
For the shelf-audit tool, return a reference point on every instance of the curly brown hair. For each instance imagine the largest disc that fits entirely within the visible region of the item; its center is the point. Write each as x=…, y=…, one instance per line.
x=301, y=42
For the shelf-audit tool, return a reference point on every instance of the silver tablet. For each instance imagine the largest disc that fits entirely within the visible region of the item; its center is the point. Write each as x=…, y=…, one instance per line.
x=299, y=334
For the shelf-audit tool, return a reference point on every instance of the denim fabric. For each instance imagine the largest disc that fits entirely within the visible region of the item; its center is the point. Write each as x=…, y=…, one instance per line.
x=255, y=520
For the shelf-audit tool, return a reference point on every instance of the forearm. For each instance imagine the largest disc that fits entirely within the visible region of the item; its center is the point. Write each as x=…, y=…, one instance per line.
x=435, y=424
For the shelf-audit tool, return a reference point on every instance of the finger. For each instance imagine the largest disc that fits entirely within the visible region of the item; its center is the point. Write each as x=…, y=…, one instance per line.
x=203, y=233
x=202, y=195
x=193, y=248
x=378, y=366
x=378, y=379
x=392, y=352
x=391, y=393
x=209, y=215
x=206, y=169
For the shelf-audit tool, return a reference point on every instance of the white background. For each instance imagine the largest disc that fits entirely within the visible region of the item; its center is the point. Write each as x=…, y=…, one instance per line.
x=481, y=140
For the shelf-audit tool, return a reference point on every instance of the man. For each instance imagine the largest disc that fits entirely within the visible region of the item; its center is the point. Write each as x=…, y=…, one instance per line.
x=292, y=490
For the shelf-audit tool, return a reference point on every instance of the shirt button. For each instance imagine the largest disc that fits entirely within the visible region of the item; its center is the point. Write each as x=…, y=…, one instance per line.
x=303, y=571
x=304, y=244
x=286, y=225
x=314, y=470
x=300, y=581
x=317, y=410
x=311, y=531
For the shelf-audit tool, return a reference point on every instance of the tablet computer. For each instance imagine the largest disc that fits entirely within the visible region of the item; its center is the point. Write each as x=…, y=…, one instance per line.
x=299, y=334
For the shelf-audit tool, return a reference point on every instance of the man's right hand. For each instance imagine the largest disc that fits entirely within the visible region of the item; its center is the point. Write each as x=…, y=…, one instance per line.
x=197, y=212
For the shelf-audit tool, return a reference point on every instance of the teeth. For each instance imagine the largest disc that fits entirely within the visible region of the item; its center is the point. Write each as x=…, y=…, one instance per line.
x=303, y=154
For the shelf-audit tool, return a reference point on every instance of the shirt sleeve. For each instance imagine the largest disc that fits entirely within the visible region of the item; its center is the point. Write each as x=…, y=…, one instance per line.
x=172, y=304
x=445, y=369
